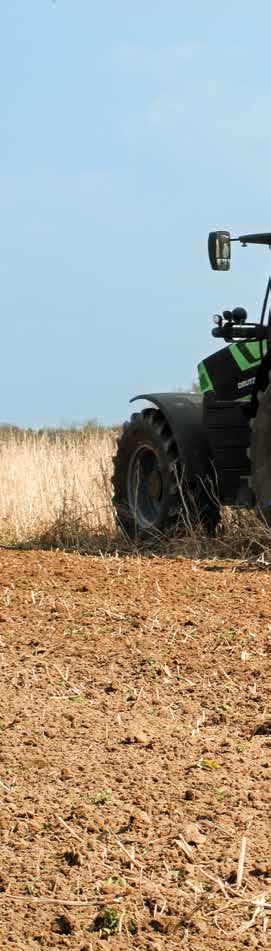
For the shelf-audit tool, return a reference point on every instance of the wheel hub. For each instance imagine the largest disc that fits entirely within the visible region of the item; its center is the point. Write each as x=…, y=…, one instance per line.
x=145, y=486
x=155, y=485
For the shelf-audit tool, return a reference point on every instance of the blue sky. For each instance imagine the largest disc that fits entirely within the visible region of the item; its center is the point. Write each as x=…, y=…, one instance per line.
x=128, y=131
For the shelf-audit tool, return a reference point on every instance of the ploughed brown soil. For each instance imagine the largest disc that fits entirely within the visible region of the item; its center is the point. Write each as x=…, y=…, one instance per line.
x=135, y=753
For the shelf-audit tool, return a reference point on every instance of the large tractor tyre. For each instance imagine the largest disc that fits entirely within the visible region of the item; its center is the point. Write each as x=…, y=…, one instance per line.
x=260, y=454
x=151, y=496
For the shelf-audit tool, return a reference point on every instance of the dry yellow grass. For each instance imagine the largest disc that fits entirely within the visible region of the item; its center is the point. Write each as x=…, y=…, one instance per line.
x=56, y=490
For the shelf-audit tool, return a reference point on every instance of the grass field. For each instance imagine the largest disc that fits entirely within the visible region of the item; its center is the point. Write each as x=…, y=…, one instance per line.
x=56, y=488
x=56, y=493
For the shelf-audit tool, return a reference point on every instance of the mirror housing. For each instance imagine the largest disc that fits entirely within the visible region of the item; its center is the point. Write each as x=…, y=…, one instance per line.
x=219, y=250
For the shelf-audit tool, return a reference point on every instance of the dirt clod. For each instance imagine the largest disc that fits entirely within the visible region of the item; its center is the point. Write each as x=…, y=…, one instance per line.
x=64, y=924
x=73, y=858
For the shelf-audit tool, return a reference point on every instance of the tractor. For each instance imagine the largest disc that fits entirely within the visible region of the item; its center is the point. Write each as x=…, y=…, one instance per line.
x=186, y=455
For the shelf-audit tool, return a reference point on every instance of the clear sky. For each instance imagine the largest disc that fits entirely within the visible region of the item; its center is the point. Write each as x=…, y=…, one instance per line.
x=129, y=129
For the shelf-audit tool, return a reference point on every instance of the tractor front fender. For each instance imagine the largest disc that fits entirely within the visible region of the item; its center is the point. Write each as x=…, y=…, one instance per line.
x=184, y=415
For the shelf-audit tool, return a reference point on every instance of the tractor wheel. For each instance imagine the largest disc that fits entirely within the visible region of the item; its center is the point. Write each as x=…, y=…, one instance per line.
x=150, y=495
x=260, y=455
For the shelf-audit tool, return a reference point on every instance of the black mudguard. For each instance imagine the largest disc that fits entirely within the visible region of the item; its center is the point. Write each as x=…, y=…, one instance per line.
x=184, y=415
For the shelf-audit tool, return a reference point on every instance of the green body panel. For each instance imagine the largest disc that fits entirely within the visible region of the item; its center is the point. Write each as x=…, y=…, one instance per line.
x=246, y=356
x=204, y=379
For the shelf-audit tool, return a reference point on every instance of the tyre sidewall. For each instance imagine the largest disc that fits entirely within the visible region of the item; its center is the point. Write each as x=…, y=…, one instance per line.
x=135, y=437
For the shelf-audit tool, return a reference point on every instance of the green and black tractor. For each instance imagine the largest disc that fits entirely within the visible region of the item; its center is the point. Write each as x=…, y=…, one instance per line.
x=186, y=455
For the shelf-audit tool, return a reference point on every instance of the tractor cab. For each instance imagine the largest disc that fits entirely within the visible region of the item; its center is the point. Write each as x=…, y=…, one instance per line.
x=230, y=373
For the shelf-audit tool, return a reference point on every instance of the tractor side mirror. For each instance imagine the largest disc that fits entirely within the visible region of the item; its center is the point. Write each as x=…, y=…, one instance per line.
x=219, y=250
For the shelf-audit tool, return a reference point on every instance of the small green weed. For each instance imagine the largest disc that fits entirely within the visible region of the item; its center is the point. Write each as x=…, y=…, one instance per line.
x=116, y=880
x=205, y=763
x=101, y=798
x=107, y=921
x=76, y=632
x=220, y=793
x=228, y=635
x=241, y=747
x=152, y=664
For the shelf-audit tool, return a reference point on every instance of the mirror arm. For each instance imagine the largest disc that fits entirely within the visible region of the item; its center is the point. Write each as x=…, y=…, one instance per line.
x=254, y=239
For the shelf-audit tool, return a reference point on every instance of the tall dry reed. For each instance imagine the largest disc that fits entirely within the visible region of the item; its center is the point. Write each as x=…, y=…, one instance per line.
x=55, y=492
x=56, y=489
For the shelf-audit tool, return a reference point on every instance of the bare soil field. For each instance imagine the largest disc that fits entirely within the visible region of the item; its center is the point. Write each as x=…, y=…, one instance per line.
x=135, y=752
